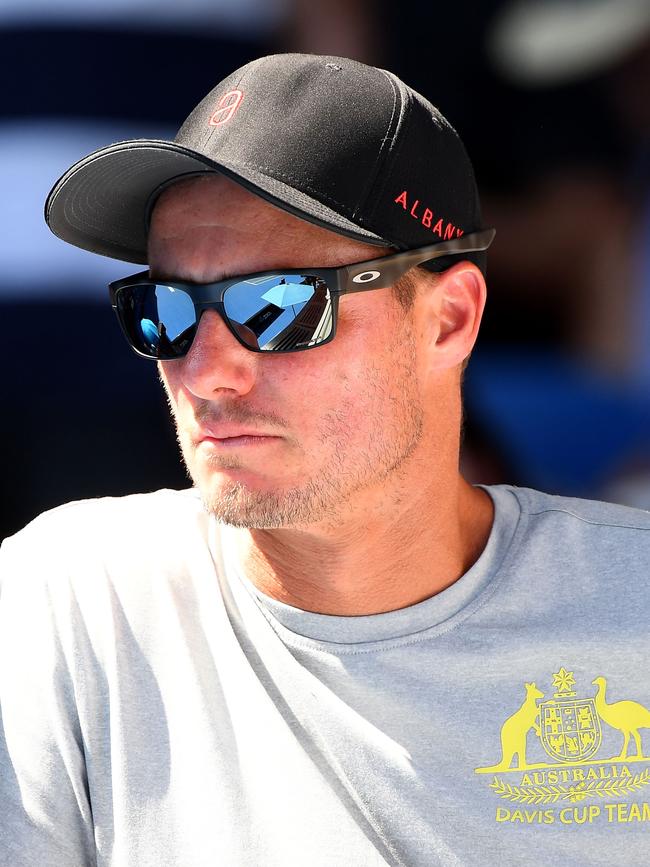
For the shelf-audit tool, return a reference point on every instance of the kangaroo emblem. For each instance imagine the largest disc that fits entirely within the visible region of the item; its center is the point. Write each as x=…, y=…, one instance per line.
x=515, y=730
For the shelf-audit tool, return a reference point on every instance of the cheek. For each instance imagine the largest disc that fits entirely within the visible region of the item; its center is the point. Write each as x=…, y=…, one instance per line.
x=338, y=368
x=169, y=376
x=304, y=385
x=355, y=382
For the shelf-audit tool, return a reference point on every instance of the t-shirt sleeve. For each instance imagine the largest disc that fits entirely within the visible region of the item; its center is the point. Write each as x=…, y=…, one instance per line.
x=45, y=811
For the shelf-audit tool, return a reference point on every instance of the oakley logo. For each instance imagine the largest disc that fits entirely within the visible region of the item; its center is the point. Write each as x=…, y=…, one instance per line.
x=228, y=105
x=366, y=277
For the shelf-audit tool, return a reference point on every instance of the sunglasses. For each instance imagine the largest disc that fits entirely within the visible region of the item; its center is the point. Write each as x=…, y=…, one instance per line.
x=273, y=311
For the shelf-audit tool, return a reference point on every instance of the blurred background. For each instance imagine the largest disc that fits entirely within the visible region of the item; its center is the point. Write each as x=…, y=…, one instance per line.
x=552, y=99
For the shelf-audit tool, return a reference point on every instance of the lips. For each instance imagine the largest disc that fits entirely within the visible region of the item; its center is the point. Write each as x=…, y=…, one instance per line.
x=228, y=431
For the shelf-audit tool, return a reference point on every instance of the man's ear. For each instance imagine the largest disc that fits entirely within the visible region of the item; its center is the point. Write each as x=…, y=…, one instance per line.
x=459, y=303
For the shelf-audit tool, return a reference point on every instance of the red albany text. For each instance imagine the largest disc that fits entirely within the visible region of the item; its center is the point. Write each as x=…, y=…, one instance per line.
x=228, y=105
x=442, y=228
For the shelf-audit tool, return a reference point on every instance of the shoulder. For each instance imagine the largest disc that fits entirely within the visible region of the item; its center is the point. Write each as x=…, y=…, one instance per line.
x=82, y=533
x=580, y=531
x=82, y=566
x=125, y=507
x=539, y=506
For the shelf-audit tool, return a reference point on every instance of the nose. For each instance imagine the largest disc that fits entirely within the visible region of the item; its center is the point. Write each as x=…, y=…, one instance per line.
x=217, y=362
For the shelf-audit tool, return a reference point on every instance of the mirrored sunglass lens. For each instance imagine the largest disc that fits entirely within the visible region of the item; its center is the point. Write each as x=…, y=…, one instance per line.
x=159, y=319
x=280, y=313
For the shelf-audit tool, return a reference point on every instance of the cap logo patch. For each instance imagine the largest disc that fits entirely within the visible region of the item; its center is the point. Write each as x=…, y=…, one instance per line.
x=228, y=105
x=441, y=227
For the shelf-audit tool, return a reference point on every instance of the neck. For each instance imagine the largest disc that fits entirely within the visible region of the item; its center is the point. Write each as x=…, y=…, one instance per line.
x=381, y=559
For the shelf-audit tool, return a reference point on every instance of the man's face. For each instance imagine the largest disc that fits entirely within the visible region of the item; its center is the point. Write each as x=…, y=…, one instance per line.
x=334, y=424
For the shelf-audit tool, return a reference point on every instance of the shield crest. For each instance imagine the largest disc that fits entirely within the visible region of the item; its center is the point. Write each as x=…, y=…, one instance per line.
x=570, y=730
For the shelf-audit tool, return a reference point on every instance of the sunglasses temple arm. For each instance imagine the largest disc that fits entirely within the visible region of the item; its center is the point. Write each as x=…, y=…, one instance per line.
x=391, y=268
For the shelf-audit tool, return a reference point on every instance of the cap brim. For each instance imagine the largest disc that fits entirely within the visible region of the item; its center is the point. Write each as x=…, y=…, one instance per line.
x=101, y=203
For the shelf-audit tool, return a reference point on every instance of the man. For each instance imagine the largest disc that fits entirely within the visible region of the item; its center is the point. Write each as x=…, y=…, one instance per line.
x=331, y=650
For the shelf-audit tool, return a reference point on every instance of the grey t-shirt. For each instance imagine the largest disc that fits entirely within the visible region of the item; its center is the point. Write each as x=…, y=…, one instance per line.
x=158, y=710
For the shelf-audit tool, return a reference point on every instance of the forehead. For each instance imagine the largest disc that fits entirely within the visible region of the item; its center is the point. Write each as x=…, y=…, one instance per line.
x=214, y=224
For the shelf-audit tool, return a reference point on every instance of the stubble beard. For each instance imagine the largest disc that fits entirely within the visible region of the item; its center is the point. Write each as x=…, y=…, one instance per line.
x=394, y=429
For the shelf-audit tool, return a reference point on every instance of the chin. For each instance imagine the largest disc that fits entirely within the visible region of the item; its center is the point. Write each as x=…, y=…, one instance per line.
x=237, y=504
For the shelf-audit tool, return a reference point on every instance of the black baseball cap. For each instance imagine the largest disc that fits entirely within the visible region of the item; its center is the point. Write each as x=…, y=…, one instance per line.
x=333, y=141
